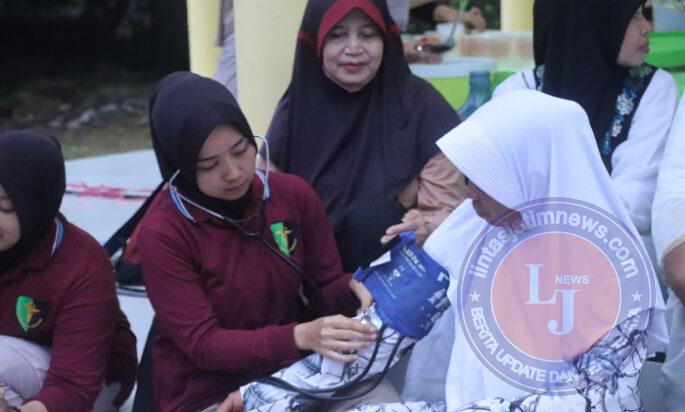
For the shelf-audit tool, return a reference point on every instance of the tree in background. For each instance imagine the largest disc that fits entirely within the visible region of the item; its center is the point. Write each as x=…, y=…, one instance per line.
x=47, y=35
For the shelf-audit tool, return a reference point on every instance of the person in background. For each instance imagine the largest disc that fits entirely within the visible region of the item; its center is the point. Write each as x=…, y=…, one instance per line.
x=65, y=346
x=240, y=265
x=361, y=129
x=668, y=229
x=225, y=38
x=400, y=11
x=594, y=54
x=433, y=12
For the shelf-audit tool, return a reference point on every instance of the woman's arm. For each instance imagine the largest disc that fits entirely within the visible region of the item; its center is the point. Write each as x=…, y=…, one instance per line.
x=81, y=343
x=438, y=191
x=668, y=226
x=186, y=315
x=636, y=161
x=441, y=190
x=674, y=268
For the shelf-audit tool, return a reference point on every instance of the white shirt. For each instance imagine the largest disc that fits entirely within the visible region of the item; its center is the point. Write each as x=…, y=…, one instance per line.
x=668, y=213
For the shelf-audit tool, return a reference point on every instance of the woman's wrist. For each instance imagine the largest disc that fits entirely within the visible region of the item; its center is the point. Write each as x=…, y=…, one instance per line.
x=300, y=336
x=674, y=268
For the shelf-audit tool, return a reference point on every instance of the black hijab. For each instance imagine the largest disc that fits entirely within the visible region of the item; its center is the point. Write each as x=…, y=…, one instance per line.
x=578, y=42
x=32, y=174
x=346, y=144
x=184, y=109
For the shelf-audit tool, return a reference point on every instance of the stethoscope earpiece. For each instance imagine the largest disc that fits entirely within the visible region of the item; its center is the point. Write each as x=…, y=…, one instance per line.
x=265, y=178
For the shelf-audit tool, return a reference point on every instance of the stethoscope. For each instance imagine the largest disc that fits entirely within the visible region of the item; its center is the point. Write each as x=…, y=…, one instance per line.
x=329, y=394
x=180, y=199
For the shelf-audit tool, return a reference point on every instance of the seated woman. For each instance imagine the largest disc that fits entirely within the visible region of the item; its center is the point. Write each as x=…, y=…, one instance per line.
x=237, y=261
x=669, y=238
x=594, y=54
x=528, y=154
x=410, y=293
x=64, y=343
x=361, y=129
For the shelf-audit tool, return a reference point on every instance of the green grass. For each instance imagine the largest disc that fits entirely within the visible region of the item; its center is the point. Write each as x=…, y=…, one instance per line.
x=112, y=139
x=114, y=102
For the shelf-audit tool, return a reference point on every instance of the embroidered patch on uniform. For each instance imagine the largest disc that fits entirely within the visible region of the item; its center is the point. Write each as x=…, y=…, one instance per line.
x=30, y=313
x=286, y=235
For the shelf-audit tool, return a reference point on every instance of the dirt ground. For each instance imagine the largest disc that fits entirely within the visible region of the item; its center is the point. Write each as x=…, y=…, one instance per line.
x=94, y=114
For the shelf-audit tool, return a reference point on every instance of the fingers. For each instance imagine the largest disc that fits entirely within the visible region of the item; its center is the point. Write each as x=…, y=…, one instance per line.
x=362, y=293
x=337, y=356
x=346, y=335
x=411, y=215
x=343, y=346
x=402, y=227
x=334, y=334
x=412, y=221
x=387, y=238
x=342, y=323
x=233, y=403
x=341, y=334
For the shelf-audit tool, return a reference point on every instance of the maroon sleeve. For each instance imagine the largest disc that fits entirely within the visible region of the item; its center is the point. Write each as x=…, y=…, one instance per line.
x=185, y=314
x=82, y=339
x=123, y=362
x=322, y=259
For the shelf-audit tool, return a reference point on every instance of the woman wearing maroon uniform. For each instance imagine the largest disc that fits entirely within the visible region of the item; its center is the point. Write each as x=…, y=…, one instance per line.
x=64, y=343
x=235, y=260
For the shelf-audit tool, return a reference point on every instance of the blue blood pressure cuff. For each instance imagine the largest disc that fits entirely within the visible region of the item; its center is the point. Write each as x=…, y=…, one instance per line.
x=409, y=287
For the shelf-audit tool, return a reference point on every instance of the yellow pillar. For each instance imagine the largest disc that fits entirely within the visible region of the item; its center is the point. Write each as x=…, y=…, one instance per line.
x=517, y=15
x=265, y=31
x=203, y=24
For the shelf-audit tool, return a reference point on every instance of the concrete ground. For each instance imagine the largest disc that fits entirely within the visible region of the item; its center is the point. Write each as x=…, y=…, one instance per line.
x=102, y=216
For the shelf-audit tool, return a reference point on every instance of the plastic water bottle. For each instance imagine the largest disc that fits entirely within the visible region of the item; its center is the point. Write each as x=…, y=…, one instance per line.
x=479, y=93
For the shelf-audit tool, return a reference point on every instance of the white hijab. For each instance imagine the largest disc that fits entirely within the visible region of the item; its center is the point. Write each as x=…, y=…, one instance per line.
x=520, y=147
